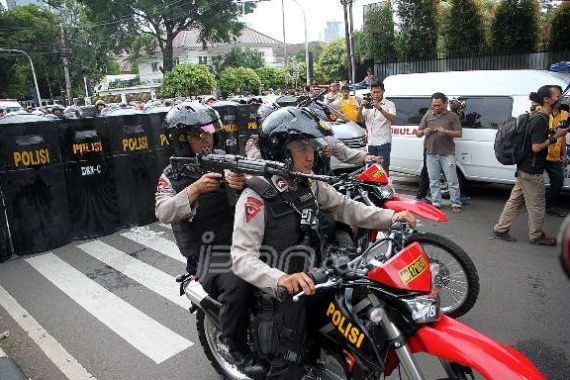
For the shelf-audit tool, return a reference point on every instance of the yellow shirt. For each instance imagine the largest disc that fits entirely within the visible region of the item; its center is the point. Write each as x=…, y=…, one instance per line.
x=349, y=108
x=554, y=150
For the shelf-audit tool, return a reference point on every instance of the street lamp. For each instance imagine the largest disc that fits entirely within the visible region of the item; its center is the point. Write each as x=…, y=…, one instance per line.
x=308, y=75
x=33, y=70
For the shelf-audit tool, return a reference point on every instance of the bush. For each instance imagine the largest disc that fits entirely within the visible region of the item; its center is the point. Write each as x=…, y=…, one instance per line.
x=271, y=77
x=187, y=80
x=239, y=79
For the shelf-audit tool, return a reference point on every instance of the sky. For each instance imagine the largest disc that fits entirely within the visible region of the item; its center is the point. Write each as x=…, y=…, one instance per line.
x=267, y=18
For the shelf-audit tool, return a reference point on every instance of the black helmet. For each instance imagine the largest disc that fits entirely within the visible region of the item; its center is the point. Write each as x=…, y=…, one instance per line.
x=285, y=125
x=265, y=110
x=186, y=118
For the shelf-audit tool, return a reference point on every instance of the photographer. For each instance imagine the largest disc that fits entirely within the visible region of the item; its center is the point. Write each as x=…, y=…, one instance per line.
x=440, y=127
x=529, y=184
x=378, y=114
x=557, y=157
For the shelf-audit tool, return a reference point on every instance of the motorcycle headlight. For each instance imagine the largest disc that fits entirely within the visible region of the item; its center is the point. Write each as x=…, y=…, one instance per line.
x=423, y=309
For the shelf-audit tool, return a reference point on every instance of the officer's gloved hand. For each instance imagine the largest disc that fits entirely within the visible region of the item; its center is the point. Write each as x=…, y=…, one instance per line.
x=207, y=183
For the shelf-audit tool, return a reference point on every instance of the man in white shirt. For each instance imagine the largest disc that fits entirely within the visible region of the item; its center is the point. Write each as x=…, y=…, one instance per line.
x=378, y=115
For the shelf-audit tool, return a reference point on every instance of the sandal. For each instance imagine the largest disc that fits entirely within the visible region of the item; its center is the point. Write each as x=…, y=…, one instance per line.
x=456, y=209
x=544, y=240
x=506, y=236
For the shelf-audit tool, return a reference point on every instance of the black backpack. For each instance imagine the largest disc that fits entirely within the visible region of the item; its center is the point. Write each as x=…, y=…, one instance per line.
x=511, y=140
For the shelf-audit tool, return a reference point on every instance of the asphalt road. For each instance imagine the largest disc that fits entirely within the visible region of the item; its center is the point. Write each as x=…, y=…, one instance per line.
x=83, y=310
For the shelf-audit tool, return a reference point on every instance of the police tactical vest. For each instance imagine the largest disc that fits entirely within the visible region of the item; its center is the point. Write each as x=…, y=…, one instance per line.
x=212, y=224
x=283, y=234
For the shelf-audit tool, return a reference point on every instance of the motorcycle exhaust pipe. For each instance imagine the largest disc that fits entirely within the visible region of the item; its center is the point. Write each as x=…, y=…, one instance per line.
x=201, y=299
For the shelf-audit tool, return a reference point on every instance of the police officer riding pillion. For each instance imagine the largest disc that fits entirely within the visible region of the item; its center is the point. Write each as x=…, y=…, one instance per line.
x=201, y=214
x=268, y=223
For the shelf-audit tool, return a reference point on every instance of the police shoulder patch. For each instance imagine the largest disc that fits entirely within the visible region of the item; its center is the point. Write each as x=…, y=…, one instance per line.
x=252, y=207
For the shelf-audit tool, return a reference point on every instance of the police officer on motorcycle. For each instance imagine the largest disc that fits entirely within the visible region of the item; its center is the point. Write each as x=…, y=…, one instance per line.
x=201, y=214
x=271, y=220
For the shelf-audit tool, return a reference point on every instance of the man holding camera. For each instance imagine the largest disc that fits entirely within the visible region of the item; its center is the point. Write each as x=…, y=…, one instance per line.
x=440, y=127
x=378, y=114
x=557, y=157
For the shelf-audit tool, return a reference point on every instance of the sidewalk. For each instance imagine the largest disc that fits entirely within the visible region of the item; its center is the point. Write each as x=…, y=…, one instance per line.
x=9, y=370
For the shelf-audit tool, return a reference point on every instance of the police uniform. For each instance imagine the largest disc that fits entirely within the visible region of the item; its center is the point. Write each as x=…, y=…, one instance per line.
x=267, y=225
x=203, y=233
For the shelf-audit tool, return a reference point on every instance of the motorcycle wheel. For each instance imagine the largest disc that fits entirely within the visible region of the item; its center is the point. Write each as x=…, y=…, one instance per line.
x=215, y=351
x=455, y=273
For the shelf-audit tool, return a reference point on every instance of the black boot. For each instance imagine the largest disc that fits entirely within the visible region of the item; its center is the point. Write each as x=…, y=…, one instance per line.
x=248, y=363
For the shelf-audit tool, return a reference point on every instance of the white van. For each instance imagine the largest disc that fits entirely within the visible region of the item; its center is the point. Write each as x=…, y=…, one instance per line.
x=492, y=98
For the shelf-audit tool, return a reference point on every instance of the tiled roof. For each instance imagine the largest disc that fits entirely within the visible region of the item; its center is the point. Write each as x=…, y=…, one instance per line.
x=248, y=36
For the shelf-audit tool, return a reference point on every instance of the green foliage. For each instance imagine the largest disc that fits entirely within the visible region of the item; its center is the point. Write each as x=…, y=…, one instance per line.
x=34, y=30
x=464, y=28
x=239, y=79
x=417, y=39
x=216, y=20
x=238, y=57
x=515, y=26
x=271, y=77
x=332, y=62
x=298, y=51
x=560, y=29
x=188, y=80
x=378, y=41
x=113, y=67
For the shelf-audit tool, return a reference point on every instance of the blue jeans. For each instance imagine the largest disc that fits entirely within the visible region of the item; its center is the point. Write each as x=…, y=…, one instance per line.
x=384, y=152
x=436, y=164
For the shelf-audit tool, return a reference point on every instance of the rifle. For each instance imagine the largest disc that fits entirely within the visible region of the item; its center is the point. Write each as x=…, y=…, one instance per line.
x=203, y=163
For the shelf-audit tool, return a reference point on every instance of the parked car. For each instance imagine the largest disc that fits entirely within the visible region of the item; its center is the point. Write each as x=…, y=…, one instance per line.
x=10, y=105
x=491, y=97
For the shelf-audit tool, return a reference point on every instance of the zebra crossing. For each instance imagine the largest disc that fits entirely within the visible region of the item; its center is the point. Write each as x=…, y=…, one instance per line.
x=115, y=281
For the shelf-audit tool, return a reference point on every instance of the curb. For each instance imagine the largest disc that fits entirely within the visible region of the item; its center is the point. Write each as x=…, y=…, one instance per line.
x=9, y=370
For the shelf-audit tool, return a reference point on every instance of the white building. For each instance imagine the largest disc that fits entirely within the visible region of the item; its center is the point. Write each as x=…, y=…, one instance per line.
x=188, y=49
x=333, y=30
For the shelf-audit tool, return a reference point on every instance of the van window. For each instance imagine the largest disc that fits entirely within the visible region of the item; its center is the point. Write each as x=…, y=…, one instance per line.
x=486, y=112
x=409, y=111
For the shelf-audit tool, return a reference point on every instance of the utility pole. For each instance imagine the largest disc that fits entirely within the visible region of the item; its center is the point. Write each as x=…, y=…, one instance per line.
x=351, y=43
x=347, y=39
x=284, y=43
x=65, y=65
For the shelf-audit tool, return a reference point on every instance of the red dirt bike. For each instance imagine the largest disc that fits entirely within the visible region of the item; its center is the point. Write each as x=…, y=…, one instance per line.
x=370, y=317
x=455, y=274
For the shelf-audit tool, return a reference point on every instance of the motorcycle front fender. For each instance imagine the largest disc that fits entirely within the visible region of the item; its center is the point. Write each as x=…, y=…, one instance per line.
x=422, y=209
x=453, y=341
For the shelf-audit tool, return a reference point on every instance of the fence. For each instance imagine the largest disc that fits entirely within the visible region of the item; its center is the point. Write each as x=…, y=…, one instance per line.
x=537, y=61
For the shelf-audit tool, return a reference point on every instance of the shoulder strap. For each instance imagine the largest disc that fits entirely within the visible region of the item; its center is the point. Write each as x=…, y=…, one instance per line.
x=262, y=187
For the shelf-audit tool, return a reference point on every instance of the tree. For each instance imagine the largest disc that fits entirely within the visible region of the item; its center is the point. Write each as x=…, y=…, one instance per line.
x=188, y=80
x=332, y=62
x=271, y=77
x=515, y=27
x=165, y=19
x=559, y=29
x=34, y=30
x=238, y=57
x=239, y=79
x=378, y=39
x=417, y=39
x=298, y=50
x=464, y=29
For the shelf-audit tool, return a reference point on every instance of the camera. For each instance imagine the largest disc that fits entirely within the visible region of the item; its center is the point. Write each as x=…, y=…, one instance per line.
x=563, y=104
x=368, y=98
x=563, y=124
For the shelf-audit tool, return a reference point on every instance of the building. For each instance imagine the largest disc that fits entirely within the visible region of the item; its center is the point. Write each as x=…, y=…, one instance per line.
x=188, y=49
x=333, y=31
x=17, y=3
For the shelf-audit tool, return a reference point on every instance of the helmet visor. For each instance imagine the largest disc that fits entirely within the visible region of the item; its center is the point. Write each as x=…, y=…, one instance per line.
x=306, y=144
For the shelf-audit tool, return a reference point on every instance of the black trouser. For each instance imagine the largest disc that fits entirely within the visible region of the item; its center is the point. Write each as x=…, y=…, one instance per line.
x=556, y=177
x=234, y=294
x=290, y=328
x=424, y=180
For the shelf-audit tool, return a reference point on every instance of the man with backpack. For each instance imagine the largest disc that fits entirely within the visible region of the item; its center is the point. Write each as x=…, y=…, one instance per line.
x=525, y=143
